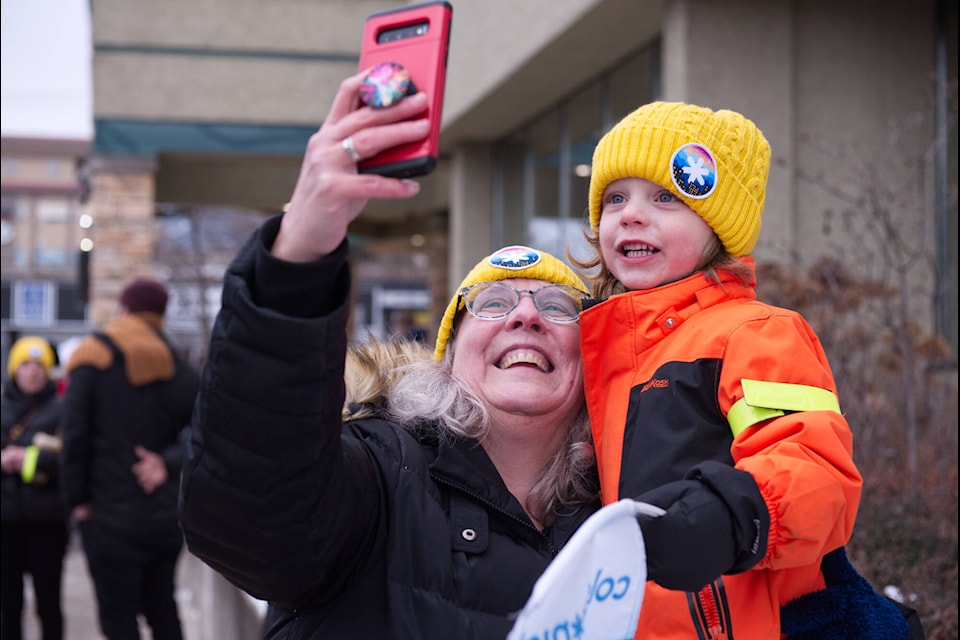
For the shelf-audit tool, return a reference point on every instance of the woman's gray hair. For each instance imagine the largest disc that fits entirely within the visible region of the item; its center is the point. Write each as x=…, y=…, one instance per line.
x=399, y=380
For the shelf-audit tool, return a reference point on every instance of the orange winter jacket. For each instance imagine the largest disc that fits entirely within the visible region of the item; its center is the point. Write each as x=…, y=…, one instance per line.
x=662, y=370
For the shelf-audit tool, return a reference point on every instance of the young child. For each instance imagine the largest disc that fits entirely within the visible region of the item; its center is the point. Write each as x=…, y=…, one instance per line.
x=705, y=402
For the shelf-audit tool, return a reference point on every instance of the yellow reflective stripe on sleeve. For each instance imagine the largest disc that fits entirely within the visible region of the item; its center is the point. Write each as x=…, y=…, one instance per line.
x=742, y=415
x=29, y=468
x=764, y=400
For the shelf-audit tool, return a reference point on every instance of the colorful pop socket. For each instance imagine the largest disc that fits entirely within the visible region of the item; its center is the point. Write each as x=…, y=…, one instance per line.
x=386, y=84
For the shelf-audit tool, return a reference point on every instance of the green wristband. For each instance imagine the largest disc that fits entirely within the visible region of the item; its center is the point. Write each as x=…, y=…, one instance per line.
x=31, y=454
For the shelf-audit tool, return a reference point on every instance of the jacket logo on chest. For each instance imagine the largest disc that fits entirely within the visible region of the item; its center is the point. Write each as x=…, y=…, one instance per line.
x=656, y=383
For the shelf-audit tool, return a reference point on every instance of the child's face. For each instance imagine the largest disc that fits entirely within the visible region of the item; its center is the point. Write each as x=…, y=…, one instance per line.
x=649, y=236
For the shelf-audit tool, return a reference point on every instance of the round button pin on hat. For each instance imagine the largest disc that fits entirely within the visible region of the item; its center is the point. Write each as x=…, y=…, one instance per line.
x=386, y=84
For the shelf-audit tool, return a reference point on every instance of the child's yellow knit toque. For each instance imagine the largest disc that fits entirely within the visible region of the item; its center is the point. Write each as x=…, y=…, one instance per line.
x=717, y=162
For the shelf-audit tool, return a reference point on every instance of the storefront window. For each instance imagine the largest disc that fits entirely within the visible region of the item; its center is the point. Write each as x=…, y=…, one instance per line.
x=542, y=171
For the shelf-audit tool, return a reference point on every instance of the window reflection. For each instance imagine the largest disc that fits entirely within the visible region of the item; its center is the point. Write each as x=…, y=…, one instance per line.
x=542, y=171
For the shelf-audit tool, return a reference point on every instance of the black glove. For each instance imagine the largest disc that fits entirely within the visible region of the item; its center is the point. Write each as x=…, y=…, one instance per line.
x=716, y=522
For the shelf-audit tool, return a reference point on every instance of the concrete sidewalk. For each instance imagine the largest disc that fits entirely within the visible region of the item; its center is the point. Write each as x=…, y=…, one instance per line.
x=80, y=604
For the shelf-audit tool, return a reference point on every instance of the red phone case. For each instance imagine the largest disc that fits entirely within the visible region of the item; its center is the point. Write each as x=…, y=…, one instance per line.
x=425, y=58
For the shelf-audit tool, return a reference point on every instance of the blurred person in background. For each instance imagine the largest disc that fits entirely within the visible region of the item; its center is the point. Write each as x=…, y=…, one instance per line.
x=35, y=527
x=129, y=399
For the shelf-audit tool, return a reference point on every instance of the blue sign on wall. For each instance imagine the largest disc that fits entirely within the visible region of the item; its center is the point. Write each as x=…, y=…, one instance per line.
x=34, y=303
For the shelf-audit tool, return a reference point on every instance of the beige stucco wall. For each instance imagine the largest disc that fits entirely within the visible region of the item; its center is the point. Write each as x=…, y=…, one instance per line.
x=212, y=79
x=705, y=62
x=865, y=120
x=830, y=83
x=511, y=59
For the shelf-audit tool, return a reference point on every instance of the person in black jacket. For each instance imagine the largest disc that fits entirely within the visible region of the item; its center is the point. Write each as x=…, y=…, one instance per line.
x=129, y=399
x=34, y=521
x=430, y=511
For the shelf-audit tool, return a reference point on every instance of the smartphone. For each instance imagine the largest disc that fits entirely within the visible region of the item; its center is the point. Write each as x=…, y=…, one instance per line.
x=417, y=37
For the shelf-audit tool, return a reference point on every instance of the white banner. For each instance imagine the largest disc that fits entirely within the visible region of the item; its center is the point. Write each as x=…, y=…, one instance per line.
x=593, y=589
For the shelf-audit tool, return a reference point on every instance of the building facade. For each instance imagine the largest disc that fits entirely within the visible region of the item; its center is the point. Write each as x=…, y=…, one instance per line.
x=208, y=105
x=44, y=223
x=202, y=111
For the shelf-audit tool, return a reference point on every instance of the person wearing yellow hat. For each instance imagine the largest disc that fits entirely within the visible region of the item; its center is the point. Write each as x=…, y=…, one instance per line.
x=385, y=493
x=510, y=263
x=34, y=519
x=719, y=409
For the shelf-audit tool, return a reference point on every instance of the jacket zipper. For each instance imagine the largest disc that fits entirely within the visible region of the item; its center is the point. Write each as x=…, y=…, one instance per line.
x=710, y=612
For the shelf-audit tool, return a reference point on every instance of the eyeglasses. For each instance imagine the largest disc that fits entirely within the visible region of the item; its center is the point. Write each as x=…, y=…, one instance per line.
x=494, y=300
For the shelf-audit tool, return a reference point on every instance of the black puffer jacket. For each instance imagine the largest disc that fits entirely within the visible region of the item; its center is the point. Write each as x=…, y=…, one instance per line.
x=39, y=500
x=361, y=530
x=128, y=387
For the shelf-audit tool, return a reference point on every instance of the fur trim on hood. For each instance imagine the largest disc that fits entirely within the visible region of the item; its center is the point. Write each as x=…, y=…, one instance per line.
x=372, y=368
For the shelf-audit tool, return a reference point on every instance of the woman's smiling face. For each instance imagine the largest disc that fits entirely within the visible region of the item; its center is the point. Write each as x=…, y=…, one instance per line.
x=521, y=364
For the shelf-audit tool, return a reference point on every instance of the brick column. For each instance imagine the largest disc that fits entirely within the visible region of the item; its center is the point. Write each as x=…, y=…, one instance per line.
x=122, y=203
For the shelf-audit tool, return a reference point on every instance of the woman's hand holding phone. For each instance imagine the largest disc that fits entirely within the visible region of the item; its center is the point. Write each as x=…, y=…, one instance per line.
x=360, y=151
x=330, y=192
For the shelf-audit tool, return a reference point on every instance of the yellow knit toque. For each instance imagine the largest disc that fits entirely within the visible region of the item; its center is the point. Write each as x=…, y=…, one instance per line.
x=30, y=348
x=503, y=264
x=715, y=161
